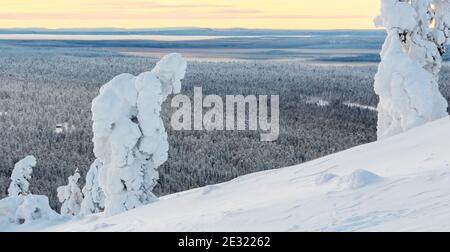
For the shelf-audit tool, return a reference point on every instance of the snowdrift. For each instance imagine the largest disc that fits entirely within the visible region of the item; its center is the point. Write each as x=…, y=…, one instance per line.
x=397, y=184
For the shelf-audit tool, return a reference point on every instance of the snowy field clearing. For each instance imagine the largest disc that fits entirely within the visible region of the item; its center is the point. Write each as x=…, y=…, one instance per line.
x=398, y=184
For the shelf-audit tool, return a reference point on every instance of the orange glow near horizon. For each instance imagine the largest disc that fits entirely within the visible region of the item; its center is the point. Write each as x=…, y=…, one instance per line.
x=278, y=14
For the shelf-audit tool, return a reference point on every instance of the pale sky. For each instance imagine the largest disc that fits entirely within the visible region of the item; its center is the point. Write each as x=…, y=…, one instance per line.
x=285, y=14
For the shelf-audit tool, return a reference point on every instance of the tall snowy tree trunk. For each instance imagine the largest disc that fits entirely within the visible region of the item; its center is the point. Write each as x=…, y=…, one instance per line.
x=411, y=58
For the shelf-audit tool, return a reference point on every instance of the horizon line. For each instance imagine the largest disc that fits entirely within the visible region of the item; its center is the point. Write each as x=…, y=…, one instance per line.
x=186, y=28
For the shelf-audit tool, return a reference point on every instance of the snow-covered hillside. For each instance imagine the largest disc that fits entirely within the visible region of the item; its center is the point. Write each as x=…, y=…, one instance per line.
x=397, y=184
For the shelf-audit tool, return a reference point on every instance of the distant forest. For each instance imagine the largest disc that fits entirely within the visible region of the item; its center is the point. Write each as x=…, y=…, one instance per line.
x=43, y=87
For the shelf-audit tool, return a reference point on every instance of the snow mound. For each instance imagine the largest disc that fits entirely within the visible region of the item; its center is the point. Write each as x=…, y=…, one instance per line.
x=359, y=179
x=209, y=189
x=19, y=210
x=324, y=178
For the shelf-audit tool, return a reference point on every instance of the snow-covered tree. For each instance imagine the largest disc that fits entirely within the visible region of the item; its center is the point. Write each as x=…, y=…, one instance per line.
x=94, y=198
x=70, y=196
x=20, y=177
x=22, y=207
x=130, y=140
x=411, y=58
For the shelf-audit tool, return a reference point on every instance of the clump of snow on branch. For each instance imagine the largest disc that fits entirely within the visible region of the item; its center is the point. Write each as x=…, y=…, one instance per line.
x=21, y=207
x=411, y=58
x=70, y=196
x=130, y=140
x=94, y=198
x=20, y=177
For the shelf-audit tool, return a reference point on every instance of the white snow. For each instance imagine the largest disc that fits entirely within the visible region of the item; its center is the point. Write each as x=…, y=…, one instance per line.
x=400, y=183
x=26, y=211
x=358, y=179
x=397, y=14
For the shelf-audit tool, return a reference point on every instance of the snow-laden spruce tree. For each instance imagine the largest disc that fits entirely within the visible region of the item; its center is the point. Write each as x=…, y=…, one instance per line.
x=22, y=207
x=407, y=77
x=94, y=198
x=20, y=177
x=70, y=196
x=130, y=140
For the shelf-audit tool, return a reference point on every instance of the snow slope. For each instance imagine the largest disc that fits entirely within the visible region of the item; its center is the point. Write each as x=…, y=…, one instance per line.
x=397, y=184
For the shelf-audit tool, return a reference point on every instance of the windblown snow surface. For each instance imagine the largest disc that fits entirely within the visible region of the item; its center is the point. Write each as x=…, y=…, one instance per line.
x=397, y=184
